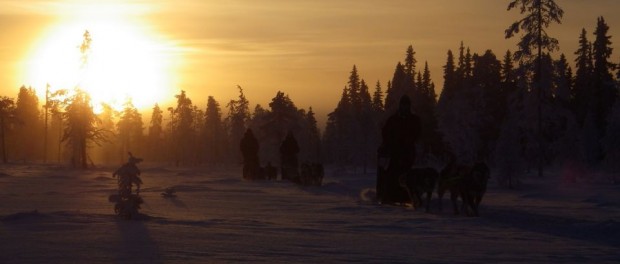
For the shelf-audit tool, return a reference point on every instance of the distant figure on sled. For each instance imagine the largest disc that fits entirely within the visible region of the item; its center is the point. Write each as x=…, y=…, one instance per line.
x=249, y=150
x=128, y=203
x=396, y=154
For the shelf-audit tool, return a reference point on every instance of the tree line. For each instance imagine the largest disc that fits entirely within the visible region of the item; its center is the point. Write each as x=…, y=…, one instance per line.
x=518, y=112
x=183, y=134
x=501, y=110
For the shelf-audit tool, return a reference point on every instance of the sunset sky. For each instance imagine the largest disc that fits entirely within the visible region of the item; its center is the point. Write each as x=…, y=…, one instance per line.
x=153, y=49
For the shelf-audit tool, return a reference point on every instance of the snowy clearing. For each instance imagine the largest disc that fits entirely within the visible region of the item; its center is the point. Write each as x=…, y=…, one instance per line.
x=51, y=214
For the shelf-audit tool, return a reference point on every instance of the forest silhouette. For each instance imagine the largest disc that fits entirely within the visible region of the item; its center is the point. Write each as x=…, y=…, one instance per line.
x=530, y=109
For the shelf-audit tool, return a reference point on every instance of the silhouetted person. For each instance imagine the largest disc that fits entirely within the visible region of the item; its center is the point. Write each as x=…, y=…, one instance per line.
x=399, y=134
x=249, y=150
x=288, y=158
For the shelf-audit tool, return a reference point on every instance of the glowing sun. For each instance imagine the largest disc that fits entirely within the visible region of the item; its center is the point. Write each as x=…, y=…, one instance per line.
x=125, y=60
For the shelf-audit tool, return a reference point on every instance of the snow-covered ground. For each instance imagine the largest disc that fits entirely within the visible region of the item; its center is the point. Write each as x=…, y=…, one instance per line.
x=50, y=214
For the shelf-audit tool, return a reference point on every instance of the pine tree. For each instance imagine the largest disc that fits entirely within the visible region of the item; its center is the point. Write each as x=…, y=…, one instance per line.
x=583, y=77
x=198, y=128
x=215, y=133
x=28, y=130
x=130, y=128
x=410, y=61
x=540, y=14
x=403, y=81
x=430, y=139
x=488, y=100
x=603, y=92
x=238, y=117
x=156, y=134
x=314, y=137
x=562, y=125
x=377, y=98
x=563, y=82
x=336, y=140
x=449, y=87
x=7, y=117
x=367, y=138
x=354, y=87
x=183, y=133
x=108, y=153
x=81, y=128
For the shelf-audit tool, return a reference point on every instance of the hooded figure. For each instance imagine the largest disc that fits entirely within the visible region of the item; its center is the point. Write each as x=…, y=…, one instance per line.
x=399, y=134
x=288, y=158
x=249, y=150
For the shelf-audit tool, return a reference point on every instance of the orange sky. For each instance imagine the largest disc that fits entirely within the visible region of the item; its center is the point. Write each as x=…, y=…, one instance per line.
x=304, y=48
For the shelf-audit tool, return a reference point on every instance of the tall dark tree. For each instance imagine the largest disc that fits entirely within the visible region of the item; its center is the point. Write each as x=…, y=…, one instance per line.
x=107, y=153
x=28, y=130
x=403, y=81
x=183, y=133
x=563, y=82
x=367, y=136
x=489, y=100
x=312, y=135
x=425, y=103
x=377, y=98
x=354, y=86
x=604, y=92
x=81, y=128
x=583, y=77
x=155, y=136
x=238, y=117
x=539, y=15
x=130, y=128
x=7, y=117
x=215, y=133
x=449, y=86
x=336, y=139
x=410, y=61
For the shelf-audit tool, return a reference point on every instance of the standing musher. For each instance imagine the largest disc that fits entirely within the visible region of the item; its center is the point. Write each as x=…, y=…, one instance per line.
x=399, y=135
x=249, y=150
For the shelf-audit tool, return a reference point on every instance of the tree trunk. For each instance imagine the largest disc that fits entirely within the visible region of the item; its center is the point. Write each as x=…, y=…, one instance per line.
x=3, y=141
x=540, y=93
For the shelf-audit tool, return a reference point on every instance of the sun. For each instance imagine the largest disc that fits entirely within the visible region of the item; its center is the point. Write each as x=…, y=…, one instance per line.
x=125, y=60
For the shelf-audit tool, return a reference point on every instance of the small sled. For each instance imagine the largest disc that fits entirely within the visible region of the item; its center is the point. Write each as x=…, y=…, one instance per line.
x=169, y=193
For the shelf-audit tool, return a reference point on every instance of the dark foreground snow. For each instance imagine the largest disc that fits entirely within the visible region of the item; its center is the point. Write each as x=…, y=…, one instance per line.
x=49, y=214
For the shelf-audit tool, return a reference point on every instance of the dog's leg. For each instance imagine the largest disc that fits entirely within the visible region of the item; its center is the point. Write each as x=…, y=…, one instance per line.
x=440, y=198
x=453, y=197
x=429, y=195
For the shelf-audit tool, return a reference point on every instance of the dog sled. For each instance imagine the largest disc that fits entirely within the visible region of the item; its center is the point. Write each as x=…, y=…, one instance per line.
x=388, y=188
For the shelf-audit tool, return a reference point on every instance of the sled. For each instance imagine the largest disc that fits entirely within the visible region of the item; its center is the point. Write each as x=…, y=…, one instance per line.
x=169, y=193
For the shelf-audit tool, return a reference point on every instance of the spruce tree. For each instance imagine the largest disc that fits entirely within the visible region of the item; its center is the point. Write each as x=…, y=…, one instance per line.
x=28, y=129
x=7, y=117
x=604, y=92
x=108, y=152
x=156, y=134
x=583, y=77
x=130, y=128
x=488, y=100
x=539, y=15
x=215, y=134
x=81, y=128
x=410, y=61
x=183, y=133
x=377, y=98
x=237, y=119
